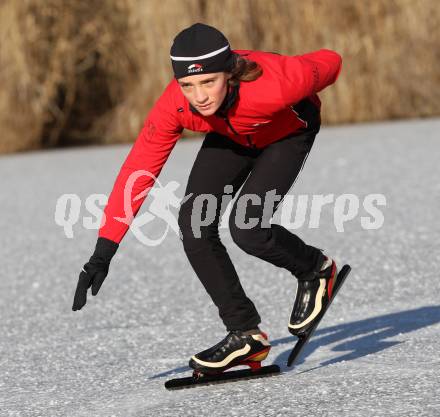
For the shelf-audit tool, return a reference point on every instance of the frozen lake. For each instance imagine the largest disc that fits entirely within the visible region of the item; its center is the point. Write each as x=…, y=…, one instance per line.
x=376, y=353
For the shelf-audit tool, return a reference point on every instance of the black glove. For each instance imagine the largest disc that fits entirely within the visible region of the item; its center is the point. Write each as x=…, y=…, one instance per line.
x=94, y=271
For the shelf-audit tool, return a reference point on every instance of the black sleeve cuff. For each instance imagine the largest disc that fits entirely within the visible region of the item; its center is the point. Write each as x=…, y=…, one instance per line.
x=105, y=249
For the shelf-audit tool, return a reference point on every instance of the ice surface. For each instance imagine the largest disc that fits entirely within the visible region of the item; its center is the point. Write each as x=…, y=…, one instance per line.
x=376, y=353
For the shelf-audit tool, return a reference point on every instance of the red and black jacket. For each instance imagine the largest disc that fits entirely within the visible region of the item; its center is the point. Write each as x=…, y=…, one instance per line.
x=254, y=114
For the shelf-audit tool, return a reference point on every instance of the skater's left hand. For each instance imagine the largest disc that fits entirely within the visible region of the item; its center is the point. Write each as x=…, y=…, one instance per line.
x=94, y=272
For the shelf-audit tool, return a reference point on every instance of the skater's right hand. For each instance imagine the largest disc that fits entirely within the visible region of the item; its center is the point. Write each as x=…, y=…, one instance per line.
x=94, y=272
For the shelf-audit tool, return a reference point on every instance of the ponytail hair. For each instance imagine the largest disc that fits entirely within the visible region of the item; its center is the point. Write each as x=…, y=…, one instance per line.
x=244, y=70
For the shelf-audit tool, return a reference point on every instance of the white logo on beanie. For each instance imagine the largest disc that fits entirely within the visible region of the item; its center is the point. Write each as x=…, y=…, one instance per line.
x=195, y=68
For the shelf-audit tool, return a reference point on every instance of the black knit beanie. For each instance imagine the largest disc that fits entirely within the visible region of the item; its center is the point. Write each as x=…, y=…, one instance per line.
x=201, y=49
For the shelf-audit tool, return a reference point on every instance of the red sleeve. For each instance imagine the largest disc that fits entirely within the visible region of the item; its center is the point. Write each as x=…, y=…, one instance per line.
x=305, y=75
x=150, y=151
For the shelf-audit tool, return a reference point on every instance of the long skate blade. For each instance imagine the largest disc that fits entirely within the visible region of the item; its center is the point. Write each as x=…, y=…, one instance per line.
x=229, y=376
x=302, y=340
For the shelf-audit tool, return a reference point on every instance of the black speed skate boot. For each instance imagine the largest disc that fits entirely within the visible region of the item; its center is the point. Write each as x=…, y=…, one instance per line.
x=237, y=348
x=312, y=298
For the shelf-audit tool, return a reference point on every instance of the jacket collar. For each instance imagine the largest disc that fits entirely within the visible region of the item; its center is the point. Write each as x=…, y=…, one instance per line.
x=228, y=102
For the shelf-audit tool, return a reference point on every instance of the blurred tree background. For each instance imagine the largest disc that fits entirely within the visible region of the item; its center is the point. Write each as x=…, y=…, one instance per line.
x=81, y=71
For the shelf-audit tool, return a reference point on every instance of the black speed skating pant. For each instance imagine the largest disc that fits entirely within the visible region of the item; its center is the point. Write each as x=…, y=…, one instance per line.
x=220, y=162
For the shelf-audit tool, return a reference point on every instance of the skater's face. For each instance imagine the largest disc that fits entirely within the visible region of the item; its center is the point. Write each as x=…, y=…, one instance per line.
x=205, y=92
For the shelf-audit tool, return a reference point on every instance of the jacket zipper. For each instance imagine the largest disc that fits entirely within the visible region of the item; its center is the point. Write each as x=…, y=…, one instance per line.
x=248, y=137
x=229, y=124
x=251, y=144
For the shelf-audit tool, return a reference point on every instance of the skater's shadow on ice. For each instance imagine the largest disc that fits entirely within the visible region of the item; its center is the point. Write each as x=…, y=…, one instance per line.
x=363, y=337
x=357, y=339
x=171, y=372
